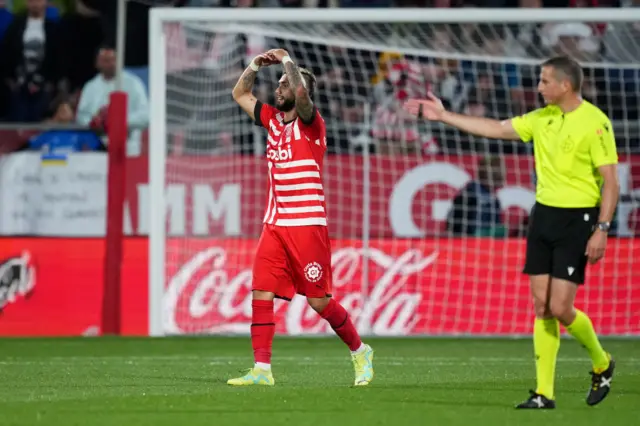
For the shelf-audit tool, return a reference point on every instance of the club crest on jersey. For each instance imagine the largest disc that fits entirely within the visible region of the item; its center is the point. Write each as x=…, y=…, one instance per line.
x=313, y=272
x=568, y=145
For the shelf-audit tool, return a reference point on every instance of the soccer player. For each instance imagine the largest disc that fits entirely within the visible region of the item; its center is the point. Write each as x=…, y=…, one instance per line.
x=294, y=253
x=576, y=196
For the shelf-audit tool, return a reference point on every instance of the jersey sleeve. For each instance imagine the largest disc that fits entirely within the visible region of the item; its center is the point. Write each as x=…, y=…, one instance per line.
x=524, y=125
x=603, y=145
x=263, y=113
x=314, y=128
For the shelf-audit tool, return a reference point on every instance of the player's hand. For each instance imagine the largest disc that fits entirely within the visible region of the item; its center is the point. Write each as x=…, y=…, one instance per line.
x=596, y=246
x=432, y=107
x=278, y=54
x=264, y=60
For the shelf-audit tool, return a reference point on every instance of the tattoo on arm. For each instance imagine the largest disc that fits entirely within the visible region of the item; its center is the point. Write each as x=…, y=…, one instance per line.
x=304, y=105
x=295, y=78
x=247, y=79
x=242, y=92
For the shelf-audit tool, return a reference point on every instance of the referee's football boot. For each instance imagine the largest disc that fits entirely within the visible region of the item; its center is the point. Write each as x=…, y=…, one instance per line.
x=601, y=384
x=537, y=401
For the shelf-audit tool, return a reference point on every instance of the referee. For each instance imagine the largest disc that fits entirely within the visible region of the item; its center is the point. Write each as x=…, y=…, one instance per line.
x=576, y=196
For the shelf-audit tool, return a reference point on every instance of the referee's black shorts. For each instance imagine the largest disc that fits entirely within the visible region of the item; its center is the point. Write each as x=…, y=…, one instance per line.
x=557, y=241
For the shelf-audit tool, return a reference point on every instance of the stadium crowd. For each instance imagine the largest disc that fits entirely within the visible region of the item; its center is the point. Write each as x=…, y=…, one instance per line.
x=58, y=64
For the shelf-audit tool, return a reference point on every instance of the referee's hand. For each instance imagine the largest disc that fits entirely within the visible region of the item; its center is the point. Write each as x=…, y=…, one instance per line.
x=431, y=108
x=596, y=246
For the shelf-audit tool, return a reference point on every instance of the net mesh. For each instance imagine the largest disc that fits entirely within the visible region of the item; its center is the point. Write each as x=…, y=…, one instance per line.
x=416, y=250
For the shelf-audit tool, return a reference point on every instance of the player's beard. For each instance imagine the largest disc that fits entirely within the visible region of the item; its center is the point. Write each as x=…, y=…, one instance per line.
x=287, y=105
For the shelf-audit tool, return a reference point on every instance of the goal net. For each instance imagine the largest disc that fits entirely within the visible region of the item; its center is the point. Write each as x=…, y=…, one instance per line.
x=427, y=223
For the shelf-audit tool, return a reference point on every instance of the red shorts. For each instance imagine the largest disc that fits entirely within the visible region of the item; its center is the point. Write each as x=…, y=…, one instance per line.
x=293, y=260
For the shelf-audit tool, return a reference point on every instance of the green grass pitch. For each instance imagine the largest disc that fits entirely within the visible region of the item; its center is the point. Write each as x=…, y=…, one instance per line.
x=181, y=381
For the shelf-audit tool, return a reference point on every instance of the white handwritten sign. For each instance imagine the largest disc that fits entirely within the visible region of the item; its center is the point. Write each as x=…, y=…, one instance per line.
x=39, y=198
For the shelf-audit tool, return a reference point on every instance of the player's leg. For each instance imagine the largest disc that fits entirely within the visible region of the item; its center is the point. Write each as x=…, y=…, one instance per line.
x=271, y=278
x=546, y=336
x=337, y=317
x=340, y=321
x=568, y=274
x=546, y=333
x=310, y=256
x=262, y=327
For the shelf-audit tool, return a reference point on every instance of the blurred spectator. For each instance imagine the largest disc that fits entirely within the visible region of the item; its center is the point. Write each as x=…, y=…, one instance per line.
x=63, y=141
x=476, y=210
x=342, y=95
x=5, y=18
x=622, y=40
x=81, y=34
x=30, y=62
x=575, y=39
x=55, y=8
x=366, y=3
x=498, y=82
x=394, y=130
x=92, y=109
x=306, y=3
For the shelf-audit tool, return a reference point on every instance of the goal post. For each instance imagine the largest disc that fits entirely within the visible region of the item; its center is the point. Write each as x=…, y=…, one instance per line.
x=408, y=258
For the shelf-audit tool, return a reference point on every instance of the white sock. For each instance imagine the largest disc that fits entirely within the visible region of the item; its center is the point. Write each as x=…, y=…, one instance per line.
x=263, y=366
x=360, y=349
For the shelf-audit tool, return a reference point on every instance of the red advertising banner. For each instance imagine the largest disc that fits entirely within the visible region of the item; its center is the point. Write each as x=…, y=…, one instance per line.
x=409, y=196
x=54, y=287
x=448, y=286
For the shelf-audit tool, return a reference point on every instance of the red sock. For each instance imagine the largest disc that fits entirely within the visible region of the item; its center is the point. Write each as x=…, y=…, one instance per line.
x=262, y=330
x=339, y=320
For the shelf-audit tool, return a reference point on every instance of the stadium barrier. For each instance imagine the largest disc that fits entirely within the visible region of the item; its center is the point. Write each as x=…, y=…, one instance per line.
x=54, y=287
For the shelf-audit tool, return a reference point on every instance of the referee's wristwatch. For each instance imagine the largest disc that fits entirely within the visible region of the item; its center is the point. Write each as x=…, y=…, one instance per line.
x=603, y=226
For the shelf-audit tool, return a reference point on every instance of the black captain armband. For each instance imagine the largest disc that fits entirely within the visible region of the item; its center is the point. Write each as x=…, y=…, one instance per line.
x=256, y=114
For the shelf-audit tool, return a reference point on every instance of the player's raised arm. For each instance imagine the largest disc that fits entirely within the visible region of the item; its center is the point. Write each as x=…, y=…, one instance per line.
x=432, y=109
x=242, y=92
x=304, y=104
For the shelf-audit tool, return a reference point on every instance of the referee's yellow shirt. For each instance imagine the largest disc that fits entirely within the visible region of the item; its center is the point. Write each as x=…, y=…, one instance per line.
x=568, y=149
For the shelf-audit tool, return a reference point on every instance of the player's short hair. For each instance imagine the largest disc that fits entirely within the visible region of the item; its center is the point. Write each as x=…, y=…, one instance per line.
x=569, y=68
x=310, y=80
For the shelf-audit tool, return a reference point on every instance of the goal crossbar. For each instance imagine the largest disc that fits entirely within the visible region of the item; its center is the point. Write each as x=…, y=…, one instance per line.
x=444, y=16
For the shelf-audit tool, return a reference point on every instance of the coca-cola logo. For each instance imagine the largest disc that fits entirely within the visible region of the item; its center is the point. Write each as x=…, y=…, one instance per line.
x=17, y=278
x=210, y=293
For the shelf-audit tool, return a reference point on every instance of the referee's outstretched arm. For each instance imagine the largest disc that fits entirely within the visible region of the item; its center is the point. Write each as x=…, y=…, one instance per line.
x=433, y=109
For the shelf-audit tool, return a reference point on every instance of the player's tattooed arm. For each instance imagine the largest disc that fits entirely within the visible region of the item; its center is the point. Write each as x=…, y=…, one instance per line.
x=245, y=83
x=248, y=78
x=242, y=92
x=304, y=104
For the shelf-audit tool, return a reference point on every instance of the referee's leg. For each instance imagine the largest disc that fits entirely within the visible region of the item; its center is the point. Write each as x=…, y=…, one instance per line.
x=546, y=333
x=569, y=265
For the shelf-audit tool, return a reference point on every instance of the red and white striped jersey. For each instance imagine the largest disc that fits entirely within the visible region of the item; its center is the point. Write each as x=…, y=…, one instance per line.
x=295, y=152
